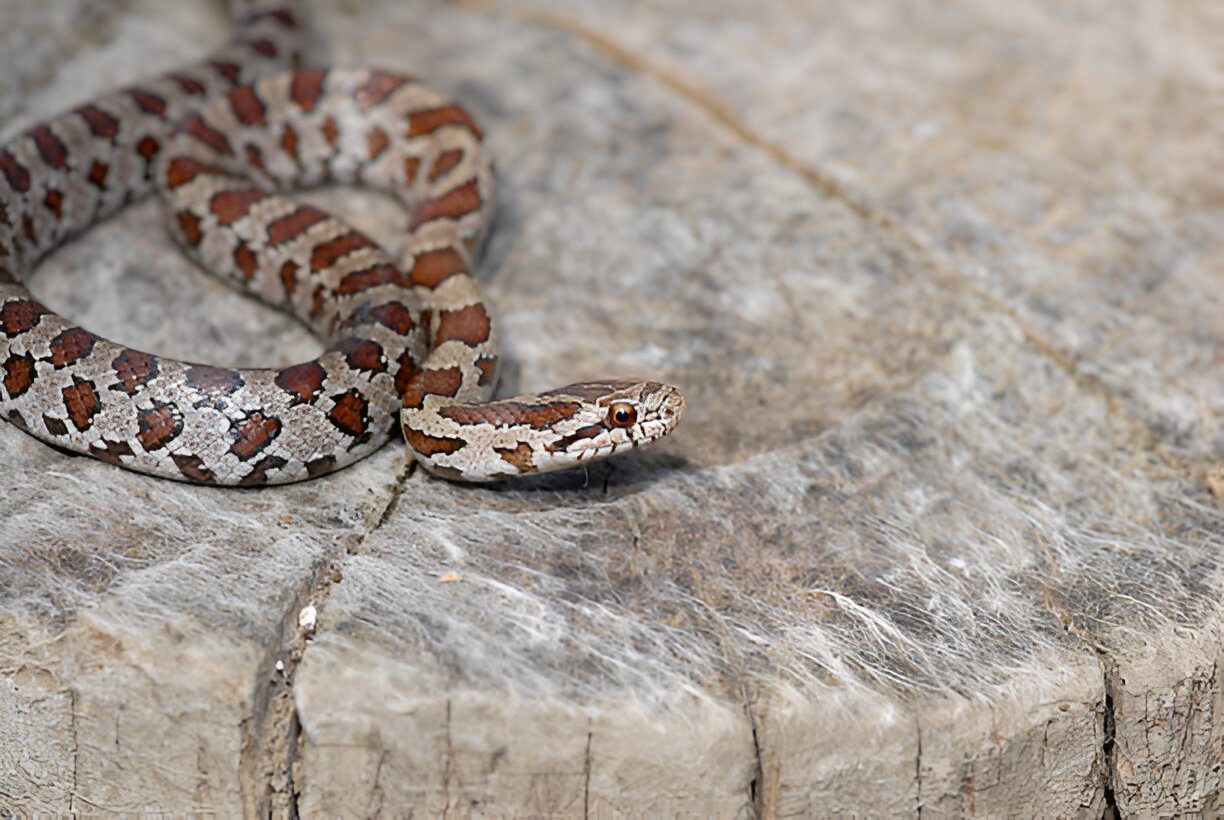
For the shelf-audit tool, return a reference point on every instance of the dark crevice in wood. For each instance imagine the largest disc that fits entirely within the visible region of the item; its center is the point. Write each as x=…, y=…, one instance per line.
x=1109, y=752
x=271, y=748
x=393, y=503
x=76, y=751
x=586, y=777
x=448, y=770
x=291, y=788
x=757, y=786
x=270, y=734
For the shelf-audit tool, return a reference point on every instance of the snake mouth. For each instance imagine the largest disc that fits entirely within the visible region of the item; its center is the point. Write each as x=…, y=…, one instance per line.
x=631, y=443
x=605, y=450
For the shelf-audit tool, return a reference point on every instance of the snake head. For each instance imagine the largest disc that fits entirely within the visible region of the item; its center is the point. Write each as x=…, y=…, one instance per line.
x=561, y=428
x=612, y=416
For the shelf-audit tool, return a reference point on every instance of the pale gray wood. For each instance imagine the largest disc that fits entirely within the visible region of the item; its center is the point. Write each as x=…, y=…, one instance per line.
x=942, y=284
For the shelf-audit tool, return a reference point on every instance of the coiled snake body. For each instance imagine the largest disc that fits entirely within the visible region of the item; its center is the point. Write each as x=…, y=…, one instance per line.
x=411, y=343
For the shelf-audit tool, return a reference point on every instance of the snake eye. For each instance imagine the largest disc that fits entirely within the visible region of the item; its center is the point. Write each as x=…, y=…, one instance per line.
x=622, y=414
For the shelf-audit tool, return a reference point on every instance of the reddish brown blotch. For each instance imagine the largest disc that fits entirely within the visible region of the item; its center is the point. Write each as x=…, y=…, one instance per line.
x=148, y=102
x=101, y=123
x=18, y=374
x=82, y=402
x=303, y=381
x=158, y=426
x=350, y=415
x=307, y=87
x=135, y=369
x=71, y=346
x=50, y=147
x=253, y=434
x=453, y=204
x=469, y=325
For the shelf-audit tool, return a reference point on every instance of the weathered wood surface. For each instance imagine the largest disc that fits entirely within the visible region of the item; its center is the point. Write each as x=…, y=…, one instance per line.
x=942, y=282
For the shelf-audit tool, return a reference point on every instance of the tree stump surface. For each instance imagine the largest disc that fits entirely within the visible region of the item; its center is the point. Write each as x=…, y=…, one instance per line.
x=942, y=284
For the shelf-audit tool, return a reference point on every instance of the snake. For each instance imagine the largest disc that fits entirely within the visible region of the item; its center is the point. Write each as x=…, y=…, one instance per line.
x=412, y=347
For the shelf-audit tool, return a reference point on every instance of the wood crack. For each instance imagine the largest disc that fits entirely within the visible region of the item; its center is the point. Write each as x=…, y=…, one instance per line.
x=272, y=732
x=918, y=769
x=1109, y=752
x=764, y=798
x=586, y=777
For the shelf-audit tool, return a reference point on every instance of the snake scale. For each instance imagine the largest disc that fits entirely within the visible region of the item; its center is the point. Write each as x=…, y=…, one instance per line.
x=410, y=345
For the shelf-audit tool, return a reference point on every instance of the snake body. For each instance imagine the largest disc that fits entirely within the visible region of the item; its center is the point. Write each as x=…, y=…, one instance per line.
x=410, y=344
